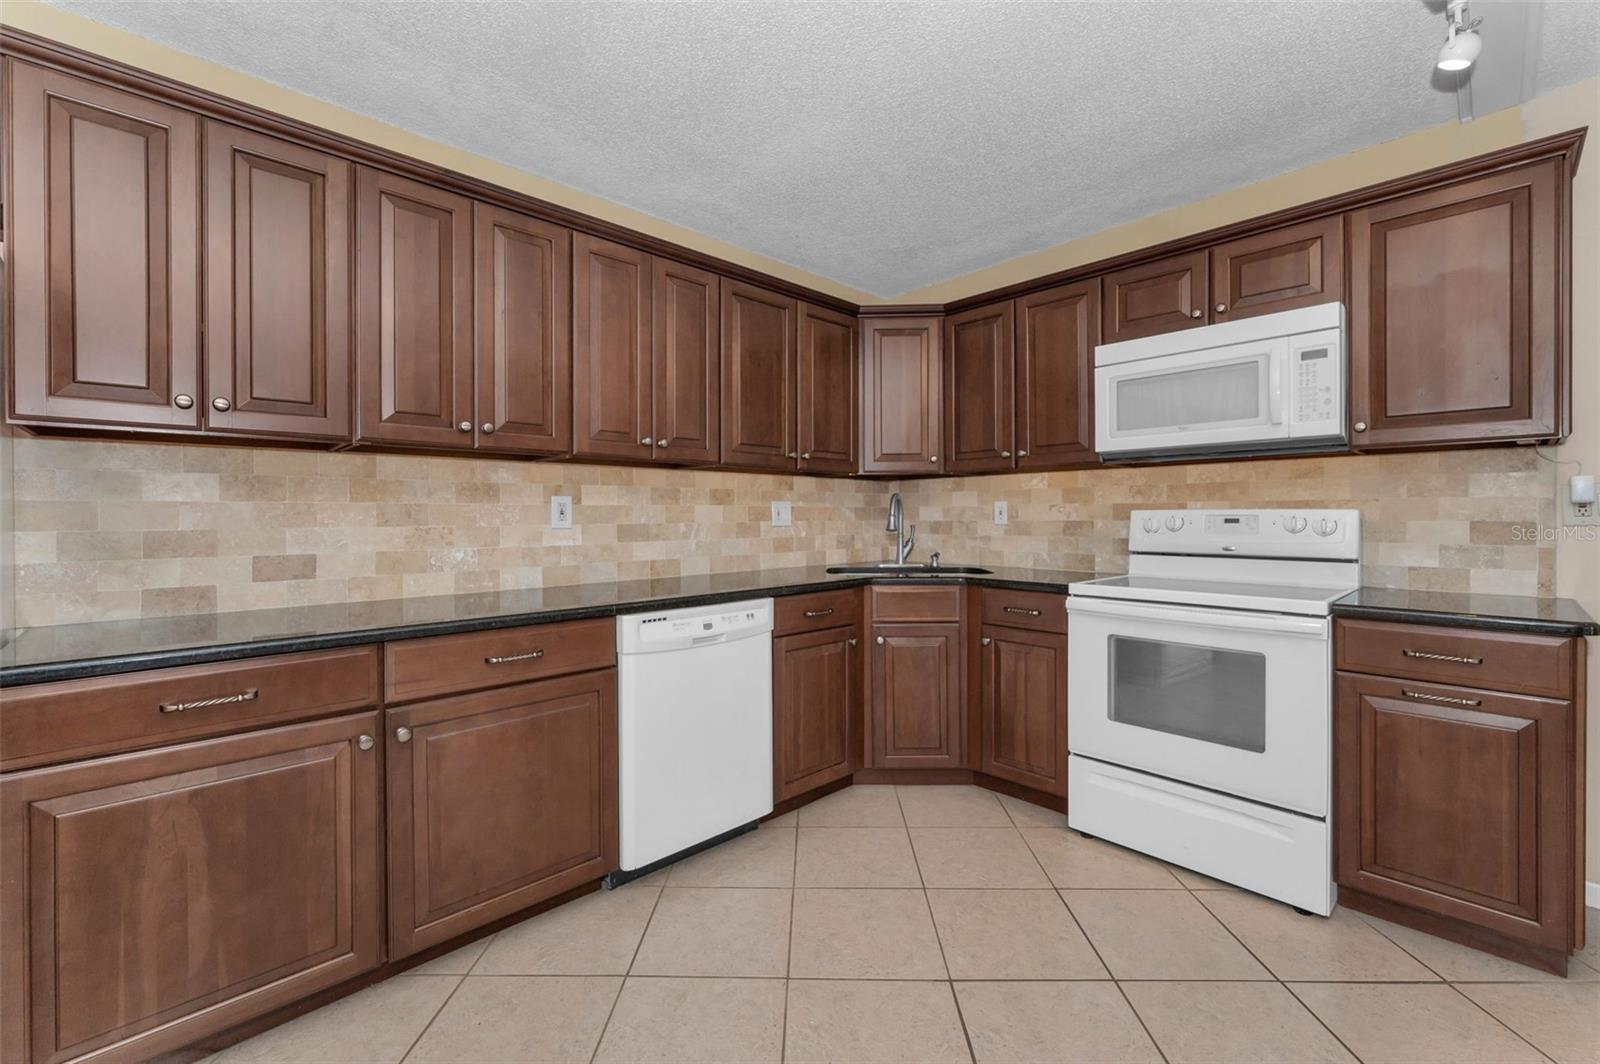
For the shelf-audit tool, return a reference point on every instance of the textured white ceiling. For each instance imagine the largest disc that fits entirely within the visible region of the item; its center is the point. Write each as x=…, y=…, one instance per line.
x=883, y=145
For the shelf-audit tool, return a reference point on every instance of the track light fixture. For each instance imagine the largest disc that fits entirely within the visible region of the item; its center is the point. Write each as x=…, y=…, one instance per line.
x=1462, y=44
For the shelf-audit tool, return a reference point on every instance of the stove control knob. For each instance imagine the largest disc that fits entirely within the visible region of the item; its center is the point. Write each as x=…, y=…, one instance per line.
x=1294, y=524
x=1175, y=523
x=1151, y=524
x=1326, y=526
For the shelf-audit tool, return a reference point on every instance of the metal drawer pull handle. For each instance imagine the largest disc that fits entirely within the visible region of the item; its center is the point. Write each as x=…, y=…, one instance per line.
x=207, y=703
x=507, y=659
x=1019, y=609
x=819, y=613
x=1457, y=658
x=1446, y=699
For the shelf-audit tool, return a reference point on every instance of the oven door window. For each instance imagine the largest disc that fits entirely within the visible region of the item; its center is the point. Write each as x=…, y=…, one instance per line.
x=1198, y=692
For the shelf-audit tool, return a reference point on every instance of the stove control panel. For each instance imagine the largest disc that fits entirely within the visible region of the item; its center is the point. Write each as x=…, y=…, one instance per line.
x=1260, y=533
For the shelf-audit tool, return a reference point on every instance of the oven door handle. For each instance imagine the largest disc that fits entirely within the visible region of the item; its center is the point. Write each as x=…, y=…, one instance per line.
x=1229, y=620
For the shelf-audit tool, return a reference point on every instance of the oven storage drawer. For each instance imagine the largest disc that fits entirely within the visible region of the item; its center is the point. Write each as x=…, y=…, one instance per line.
x=1496, y=661
x=1279, y=854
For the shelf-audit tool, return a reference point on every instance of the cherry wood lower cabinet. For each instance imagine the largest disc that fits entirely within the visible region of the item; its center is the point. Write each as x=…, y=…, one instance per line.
x=154, y=898
x=918, y=698
x=816, y=687
x=496, y=801
x=1023, y=702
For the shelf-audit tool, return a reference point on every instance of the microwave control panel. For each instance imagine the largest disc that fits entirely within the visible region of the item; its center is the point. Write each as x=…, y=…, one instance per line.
x=1316, y=369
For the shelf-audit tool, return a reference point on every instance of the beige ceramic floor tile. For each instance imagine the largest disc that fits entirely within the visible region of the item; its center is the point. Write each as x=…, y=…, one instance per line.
x=1241, y=1023
x=854, y=807
x=520, y=1018
x=761, y=858
x=878, y=1022
x=1011, y=934
x=952, y=807
x=1027, y=815
x=1463, y=964
x=1337, y=948
x=595, y=935
x=1563, y=1021
x=717, y=931
x=456, y=962
x=975, y=857
x=1396, y=1023
x=372, y=1026
x=1195, y=881
x=855, y=857
x=1023, y=1023
x=681, y=1021
x=1075, y=862
x=787, y=820
x=1159, y=934
x=864, y=934
x=1590, y=954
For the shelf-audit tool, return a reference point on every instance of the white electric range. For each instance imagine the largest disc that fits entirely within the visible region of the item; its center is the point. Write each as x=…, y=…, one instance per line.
x=1200, y=695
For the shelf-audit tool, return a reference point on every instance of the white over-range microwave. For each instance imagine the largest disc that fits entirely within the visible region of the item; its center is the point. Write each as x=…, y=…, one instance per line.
x=1268, y=384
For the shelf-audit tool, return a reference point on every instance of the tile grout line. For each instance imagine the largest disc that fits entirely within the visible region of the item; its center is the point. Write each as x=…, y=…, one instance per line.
x=461, y=981
x=1516, y=1033
x=601, y=1037
x=788, y=959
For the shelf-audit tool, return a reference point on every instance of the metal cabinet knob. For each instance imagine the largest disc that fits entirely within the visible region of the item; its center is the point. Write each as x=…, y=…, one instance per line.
x=1222, y=308
x=1361, y=426
x=183, y=402
x=854, y=641
x=933, y=458
x=645, y=441
x=985, y=641
x=221, y=405
x=879, y=640
x=792, y=454
x=661, y=443
x=1195, y=313
x=402, y=735
x=1022, y=454
x=365, y=742
x=465, y=426
x=1005, y=454
x=806, y=455
x=487, y=428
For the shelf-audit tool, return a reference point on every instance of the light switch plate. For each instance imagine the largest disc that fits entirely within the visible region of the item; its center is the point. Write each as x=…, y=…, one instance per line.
x=1002, y=512
x=561, y=511
x=780, y=514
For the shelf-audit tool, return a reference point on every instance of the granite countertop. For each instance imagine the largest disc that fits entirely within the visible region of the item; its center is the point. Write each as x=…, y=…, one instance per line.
x=71, y=651
x=1506, y=613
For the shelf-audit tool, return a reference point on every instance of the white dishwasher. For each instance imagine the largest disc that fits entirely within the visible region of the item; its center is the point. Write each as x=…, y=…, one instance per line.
x=694, y=693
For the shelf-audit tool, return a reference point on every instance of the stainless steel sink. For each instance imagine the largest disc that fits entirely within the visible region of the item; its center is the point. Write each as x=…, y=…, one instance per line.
x=895, y=569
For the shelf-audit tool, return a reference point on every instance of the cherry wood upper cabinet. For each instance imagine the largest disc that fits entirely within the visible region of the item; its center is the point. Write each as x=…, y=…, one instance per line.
x=979, y=389
x=1155, y=297
x=103, y=223
x=686, y=356
x=815, y=693
x=758, y=378
x=612, y=382
x=1056, y=333
x=1297, y=266
x=413, y=313
x=901, y=408
x=522, y=287
x=277, y=286
x=233, y=875
x=827, y=390
x=1457, y=308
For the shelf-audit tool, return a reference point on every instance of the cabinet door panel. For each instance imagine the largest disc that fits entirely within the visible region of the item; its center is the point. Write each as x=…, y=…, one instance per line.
x=979, y=389
x=917, y=696
x=1056, y=333
x=522, y=285
x=688, y=368
x=104, y=231
x=758, y=378
x=1156, y=297
x=1460, y=808
x=901, y=402
x=814, y=705
x=1455, y=296
x=277, y=286
x=166, y=895
x=1024, y=706
x=1297, y=266
x=497, y=801
x=611, y=378
x=827, y=390
x=414, y=312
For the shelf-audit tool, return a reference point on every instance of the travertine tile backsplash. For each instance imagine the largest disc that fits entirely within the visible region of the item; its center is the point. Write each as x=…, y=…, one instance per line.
x=110, y=530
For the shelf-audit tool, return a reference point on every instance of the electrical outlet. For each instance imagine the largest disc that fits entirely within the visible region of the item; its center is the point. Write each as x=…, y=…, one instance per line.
x=561, y=511
x=1002, y=513
x=780, y=515
x=1575, y=513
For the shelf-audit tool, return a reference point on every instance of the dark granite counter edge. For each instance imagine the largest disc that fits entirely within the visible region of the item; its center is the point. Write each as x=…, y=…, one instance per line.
x=1482, y=622
x=83, y=668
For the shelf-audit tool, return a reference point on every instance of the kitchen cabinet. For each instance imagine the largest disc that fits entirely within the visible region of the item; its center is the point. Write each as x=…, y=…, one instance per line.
x=826, y=391
x=522, y=269
x=413, y=313
x=1057, y=330
x=979, y=389
x=1155, y=297
x=758, y=378
x=687, y=393
x=1457, y=299
x=1023, y=701
x=901, y=400
x=816, y=687
x=1281, y=269
x=103, y=232
x=158, y=897
x=496, y=801
x=611, y=370
x=918, y=696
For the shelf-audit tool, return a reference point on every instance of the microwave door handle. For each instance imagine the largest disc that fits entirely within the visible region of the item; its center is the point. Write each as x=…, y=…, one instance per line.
x=1275, y=388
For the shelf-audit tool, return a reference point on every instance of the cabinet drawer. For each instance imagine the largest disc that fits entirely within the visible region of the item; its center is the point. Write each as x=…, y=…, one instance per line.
x=813, y=613
x=1038, y=610
x=1500, y=661
x=110, y=714
x=914, y=605
x=446, y=664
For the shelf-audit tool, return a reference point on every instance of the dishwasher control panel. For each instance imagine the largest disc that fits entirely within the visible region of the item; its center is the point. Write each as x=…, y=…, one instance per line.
x=692, y=626
x=702, y=625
